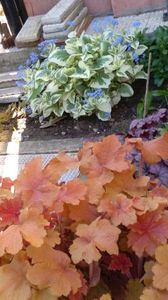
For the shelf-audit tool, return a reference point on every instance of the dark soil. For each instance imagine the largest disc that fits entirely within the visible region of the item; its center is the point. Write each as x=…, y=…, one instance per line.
x=86, y=127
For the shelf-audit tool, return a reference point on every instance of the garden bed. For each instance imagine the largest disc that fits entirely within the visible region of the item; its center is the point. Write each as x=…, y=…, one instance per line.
x=85, y=127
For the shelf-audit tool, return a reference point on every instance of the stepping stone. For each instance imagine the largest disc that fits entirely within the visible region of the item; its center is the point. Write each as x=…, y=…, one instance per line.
x=63, y=35
x=59, y=12
x=30, y=33
x=62, y=26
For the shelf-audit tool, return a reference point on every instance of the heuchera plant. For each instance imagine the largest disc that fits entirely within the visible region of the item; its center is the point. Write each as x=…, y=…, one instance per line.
x=100, y=236
x=89, y=75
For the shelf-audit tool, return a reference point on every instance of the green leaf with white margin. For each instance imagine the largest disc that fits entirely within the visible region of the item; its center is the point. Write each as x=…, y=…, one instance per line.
x=141, y=75
x=61, y=76
x=102, y=62
x=58, y=57
x=141, y=49
x=104, y=104
x=125, y=90
x=82, y=71
x=101, y=80
x=103, y=116
x=52, y=87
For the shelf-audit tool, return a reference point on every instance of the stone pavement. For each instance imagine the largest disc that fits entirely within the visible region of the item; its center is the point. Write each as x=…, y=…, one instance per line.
x=149, y=20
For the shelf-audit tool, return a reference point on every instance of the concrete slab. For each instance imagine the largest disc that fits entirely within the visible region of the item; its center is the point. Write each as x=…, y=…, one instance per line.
x=64, y=34
x=30, y=33
x=10, y=59
x=41, y=147
x=8, y=79
x=148, y=20
x=10, y=95
x=59, y=12
x=64, y=25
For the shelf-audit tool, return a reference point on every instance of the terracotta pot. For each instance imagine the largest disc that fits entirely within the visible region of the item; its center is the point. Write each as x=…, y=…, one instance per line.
x=128, y=7
x=39, y=7
x=98, y=7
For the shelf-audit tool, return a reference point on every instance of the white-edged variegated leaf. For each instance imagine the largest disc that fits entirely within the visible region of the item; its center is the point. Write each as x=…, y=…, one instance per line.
x=58, y=57
x=101, y=80
x=126, y=90
x=102, y=62
x=104, y=116
x=105, y=105
x=141, y=75
x=82, y=71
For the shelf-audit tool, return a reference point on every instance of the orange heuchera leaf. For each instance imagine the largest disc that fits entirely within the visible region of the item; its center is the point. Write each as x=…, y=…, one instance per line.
x=148, y=276
x=144, y=204
x=42, y=295
x=6, y=183
x=106, y=297
x=52, y=238
x=96, y=185
x=89, y=164
x=34, y=186
x=125, y=182
x=30, y=228
x=13, y=282
x=111, y=154
x=153, y=294
x=52, y=269
x=150, y=231
x=59, y=165
x=9, y=211
x=119, y=209
x=160, y=269
x=71, y=193
x=159, y=191
x=153, y=151
x=100, y=235
x=81, y=292
x=121, y=263
x=84, y=212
